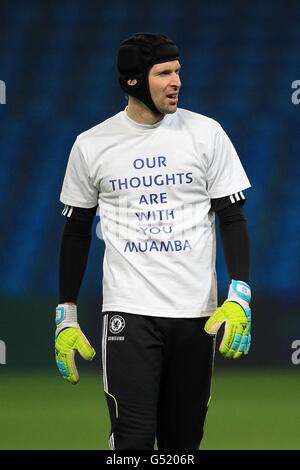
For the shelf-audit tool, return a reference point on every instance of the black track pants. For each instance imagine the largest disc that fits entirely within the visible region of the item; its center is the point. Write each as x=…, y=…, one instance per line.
x=156, y=374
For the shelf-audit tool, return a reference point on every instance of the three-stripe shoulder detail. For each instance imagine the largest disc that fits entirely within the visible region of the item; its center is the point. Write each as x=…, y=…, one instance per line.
x=67, y=211
x=237, y=197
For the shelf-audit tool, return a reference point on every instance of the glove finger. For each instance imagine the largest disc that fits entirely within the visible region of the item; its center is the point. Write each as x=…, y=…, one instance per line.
x=241, y=340
x=243, y=343
x=247, y=348
x=66, y=340
x=214, y=322
x=229, y=354
x=237, y=355
x=248, y=344
x=234, y=353
x=65, y=354
x=227, y=340
x=66, y=366
x=240, y=347
x=232, y=342
x=245, y=339
x=84, y=348
x=236, y=346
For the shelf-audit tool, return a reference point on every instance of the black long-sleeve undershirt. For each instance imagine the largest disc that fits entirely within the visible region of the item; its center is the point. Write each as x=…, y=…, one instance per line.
x=235, y=239
x=75, y=246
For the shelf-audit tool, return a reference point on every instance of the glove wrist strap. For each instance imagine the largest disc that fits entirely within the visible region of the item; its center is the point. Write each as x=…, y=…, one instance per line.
x=66, y=317
x=239, y=292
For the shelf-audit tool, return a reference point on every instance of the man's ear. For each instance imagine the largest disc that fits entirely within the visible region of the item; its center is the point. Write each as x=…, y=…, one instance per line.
x=132, y=82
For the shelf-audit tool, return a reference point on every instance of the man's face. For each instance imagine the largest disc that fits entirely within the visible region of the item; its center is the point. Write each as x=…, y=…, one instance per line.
x=164, y=83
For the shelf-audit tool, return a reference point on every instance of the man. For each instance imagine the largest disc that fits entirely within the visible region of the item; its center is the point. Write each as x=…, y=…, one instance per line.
x=159, y=174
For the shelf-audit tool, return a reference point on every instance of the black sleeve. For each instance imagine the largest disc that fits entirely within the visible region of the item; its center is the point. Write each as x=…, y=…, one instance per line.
x=75, y=246
x=235, y=239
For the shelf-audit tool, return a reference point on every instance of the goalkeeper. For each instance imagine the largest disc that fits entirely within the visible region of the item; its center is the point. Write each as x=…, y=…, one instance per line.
x=159, y=312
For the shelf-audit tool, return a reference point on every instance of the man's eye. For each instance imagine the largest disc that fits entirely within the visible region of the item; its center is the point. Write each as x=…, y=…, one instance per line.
x=167, y=73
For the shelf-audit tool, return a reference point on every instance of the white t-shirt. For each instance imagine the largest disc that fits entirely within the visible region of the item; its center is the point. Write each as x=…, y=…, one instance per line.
x=154, y=185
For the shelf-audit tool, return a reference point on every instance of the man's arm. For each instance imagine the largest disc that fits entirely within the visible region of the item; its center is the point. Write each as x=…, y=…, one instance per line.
x=74, y=252
x=75, y=246
x=235, y=311
x=235, y=239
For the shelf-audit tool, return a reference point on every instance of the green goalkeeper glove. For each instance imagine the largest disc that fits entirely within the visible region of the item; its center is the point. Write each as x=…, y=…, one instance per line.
x=236, y=314
x=69, y=339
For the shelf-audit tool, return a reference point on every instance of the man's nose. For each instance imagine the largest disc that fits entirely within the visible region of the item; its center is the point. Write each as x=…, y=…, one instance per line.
x=175, y=80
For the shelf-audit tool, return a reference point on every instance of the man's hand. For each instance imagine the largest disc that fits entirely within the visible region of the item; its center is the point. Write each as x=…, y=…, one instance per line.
x=67, y=343
x=69, y=339
x=236, y=314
